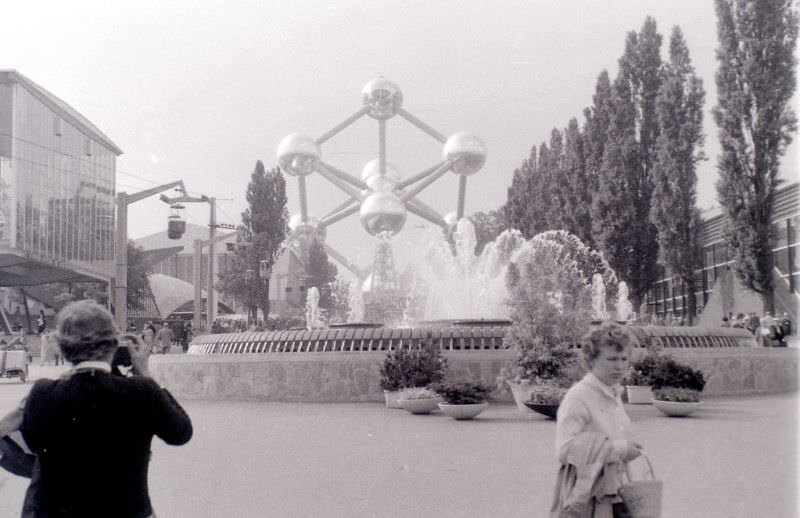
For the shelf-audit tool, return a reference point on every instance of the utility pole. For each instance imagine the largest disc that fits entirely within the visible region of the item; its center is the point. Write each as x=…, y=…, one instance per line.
x=212, y=233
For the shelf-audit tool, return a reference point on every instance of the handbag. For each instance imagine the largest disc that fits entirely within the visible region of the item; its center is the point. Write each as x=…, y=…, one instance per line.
x=642, y=497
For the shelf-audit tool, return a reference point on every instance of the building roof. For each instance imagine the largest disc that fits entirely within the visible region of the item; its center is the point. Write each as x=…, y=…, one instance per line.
x=153, y=257
x=63, y=109
x=160, y=240
x=787, y=204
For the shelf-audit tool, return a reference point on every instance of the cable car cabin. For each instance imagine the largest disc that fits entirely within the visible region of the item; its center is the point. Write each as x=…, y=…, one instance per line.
x=176, y=222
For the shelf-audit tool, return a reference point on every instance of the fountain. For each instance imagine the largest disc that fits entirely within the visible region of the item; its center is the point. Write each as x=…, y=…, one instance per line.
x=460, y=285
x=314, y=318
x=458, y=299
x=624, y=306
x=599, y=311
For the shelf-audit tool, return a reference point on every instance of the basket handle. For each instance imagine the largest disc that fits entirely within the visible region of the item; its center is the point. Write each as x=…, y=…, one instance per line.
x=649, y=466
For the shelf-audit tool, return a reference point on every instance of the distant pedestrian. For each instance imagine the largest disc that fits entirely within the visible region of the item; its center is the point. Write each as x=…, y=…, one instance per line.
x=165, y=337
x=41, y=323
x=725, y=322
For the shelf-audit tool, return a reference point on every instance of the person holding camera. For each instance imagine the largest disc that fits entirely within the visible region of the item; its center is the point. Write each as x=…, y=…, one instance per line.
x=91, y=430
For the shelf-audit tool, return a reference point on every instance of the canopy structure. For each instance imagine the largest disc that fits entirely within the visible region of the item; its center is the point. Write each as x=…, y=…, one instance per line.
x=171, y=295
x=18, y=270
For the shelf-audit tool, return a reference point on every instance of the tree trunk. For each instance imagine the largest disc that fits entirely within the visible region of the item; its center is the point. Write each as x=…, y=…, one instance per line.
x=691, y=303
x=768, y=301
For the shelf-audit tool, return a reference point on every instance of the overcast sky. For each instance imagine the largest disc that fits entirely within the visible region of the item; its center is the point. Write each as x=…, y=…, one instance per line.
x=201, y=90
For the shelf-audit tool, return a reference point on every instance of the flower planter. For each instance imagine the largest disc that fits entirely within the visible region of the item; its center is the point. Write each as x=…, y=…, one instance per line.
x=548, y=410
x=675, y=408
x=420, y=406
x=393, y=398
x=522, y=393
x=639, y=394
x=462, y=412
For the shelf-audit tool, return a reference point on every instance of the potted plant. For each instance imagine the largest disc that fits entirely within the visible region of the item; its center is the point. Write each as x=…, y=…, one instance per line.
x=550, y=303
x=677, y=388
x=540, y=372
x=638, y=382
x=463, y=399
x=419, y=400
x=406, y=367
x=546, y=399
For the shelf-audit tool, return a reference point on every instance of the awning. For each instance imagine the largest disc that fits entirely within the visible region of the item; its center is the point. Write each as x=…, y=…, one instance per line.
x=18, y=270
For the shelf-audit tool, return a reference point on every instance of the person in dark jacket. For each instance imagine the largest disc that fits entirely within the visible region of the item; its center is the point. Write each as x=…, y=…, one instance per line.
x=91, y=430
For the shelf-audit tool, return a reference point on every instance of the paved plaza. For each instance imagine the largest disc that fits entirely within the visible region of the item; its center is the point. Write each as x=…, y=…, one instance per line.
x=736, y=459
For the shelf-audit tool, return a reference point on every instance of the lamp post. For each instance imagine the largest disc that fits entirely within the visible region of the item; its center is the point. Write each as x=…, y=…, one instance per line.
x=121, y=247
x=199, y=244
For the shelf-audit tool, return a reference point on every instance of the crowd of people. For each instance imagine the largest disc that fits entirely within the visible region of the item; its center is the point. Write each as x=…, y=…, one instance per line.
x=769, y=331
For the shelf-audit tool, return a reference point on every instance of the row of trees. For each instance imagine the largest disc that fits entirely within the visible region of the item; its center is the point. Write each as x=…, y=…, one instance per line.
x=625, y=180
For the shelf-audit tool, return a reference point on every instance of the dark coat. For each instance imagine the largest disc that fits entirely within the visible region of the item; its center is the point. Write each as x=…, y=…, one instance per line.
x=92, y=433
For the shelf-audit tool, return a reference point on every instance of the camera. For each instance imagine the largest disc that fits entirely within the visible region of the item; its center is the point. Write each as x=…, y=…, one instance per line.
x=122, y=356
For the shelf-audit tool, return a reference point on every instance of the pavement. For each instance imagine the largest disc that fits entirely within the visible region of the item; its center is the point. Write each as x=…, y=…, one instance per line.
x=735, y=458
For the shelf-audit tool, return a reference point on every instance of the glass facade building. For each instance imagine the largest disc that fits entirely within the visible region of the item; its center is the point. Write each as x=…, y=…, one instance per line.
x=57, y=189
x=668, y=295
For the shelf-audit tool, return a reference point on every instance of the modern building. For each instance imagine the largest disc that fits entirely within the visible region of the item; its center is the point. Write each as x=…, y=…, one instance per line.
x=287, y=283
x=718, y=290
x=57, y=188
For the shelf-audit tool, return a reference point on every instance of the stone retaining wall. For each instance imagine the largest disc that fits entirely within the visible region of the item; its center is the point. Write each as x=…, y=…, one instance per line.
x=354, y=376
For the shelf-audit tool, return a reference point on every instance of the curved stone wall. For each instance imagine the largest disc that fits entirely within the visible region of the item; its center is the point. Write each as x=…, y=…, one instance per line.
x=468, y=336
x=342, y=376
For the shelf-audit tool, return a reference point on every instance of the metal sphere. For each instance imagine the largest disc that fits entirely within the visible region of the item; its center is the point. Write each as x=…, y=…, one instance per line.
x=467, y=151
x=378, y=183
x=373, y=167
x=298, y=154
x=305, y=231
x=451, y=219
x=382, y=212
x=383, y=98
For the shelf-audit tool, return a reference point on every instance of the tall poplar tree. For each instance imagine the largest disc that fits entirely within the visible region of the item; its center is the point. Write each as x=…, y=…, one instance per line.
x=578, y=197
x=621, y=205
x=517, y=199
x=264, y=222
x=321, y=274
x=755, y=82
x=680, y=116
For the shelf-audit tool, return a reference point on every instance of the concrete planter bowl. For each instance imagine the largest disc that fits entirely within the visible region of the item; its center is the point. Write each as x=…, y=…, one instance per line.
x=675, y=408
x=639, y=394
x=463, y=412
x=393, y=398
x=420, y=406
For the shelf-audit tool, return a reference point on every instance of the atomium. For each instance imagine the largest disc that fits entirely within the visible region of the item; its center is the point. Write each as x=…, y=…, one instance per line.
x=380, y=196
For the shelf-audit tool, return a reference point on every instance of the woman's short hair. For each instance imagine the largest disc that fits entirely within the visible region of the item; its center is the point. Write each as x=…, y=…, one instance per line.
x=86, y=331
x=607, y=334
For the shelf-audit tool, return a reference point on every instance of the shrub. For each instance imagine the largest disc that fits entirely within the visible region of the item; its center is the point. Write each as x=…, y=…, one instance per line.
x=547, y=395
x=678, y=395
x=418, y=393
x=669, y=373
x=550, y=302
x=412, y=367
x=462, y=393
x=641, y=371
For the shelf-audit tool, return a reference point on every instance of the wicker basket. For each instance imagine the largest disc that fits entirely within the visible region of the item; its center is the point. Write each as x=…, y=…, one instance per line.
x=643, y=497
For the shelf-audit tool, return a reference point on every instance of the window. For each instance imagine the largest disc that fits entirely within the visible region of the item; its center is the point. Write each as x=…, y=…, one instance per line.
x=58, y=127
x=288, y=289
